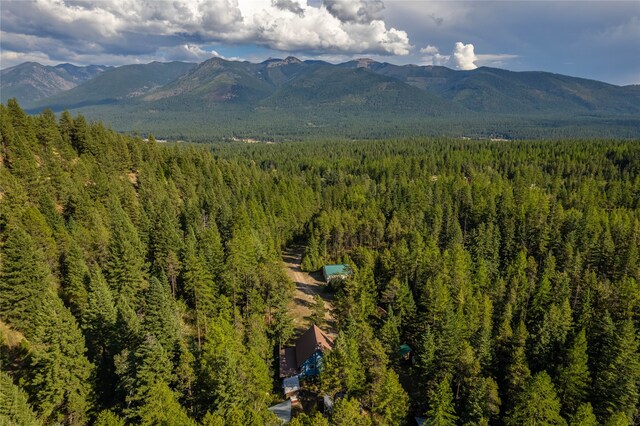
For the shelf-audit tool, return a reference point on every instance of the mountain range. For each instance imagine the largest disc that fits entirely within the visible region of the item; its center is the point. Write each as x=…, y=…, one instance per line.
x=30, y=82
x=290, y=98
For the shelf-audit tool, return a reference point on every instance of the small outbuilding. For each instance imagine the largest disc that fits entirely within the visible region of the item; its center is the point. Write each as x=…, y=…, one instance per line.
x=405, y=351
x=282, y=411
x=290, y=385
x=336, y=272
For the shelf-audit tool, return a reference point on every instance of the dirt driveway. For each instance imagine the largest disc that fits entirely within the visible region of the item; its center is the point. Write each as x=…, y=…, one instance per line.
x=306, y=287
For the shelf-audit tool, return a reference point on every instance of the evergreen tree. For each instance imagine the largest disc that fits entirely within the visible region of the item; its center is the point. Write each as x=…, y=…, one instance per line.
x=161, y=407
x=442, y=411
x=318, y=310
x=389, y=402
x=584, y=416
x=617, y=419
x=108, y=418
x=25, y=282
x=616, y=385
x=126, y=267
x=348, y=412
x=198, y=285
x=538, y=404
x=14, y=406
x=76, y=278
x=59, y=377
x=574, y=378
x=160, y=315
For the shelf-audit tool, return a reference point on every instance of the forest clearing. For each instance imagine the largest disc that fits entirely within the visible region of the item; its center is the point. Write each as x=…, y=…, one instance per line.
x=307, y=286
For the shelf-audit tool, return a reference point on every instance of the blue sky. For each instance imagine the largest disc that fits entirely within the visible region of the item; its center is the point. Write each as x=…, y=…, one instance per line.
x=592, y=39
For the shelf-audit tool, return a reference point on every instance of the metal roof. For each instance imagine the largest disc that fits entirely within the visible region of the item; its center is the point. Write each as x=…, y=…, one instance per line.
x=291, y=384
x=311, y=341
x=341, y=269
x=282, y=411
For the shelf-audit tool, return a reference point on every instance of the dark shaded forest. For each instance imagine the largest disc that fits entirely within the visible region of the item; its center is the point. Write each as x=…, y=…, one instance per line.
x=141, y=283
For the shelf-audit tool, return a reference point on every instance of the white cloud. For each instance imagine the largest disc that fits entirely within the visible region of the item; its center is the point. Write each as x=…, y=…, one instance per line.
x=149, y=27
x=359, y=11
x=187, y=52
x=434, y=57
x=429, y=50
x=464, y=56
x=494, y=59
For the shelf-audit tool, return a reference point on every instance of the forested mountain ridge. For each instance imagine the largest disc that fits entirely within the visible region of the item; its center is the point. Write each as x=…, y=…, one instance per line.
x=141, y=283
x=355, y=99
x=121, y=83
x=32, y=81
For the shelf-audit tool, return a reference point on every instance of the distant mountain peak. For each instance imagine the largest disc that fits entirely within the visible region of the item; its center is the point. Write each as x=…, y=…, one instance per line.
x=275, y=62
x=365, y=62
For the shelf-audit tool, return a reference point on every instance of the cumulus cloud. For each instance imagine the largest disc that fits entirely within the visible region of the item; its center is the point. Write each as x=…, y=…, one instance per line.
x=149, y=27
x=363, y=12
x=429, y=50
x=463, y=56
x=187, y=53
x=290, y=5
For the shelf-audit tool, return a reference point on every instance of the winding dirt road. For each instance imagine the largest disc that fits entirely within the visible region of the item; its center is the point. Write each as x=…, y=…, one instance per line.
x=307, y=286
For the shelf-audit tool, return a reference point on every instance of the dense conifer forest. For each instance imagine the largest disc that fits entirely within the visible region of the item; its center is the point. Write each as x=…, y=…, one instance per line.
x=142, y=283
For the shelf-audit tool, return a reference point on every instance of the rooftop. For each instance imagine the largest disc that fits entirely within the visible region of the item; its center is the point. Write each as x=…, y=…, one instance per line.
x=341, y=269
x=312, y=340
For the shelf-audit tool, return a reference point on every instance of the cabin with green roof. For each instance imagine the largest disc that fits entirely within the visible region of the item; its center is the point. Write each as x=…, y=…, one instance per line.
x=336, y=272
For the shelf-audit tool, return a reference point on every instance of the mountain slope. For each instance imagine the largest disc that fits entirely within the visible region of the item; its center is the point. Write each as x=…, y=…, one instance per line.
x=125, y=82
x=30, y=81
x=214, y=81
x=362, y=98
x=495, y=90
x=356, y=89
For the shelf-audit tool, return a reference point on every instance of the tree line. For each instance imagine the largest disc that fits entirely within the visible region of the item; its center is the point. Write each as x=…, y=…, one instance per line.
x=141, y=283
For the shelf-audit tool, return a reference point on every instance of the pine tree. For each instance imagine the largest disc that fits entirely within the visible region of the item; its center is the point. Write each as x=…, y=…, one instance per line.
x=25, y=282
x=76, y=278
x=574, y=377
x=14, y=405
x=160, y=316
x=108, y=418
x=126, y=267
x=99, y=318
x=441, y=409
x=198, y=285
x=538, y=404
x=149, y=366
x=161, y=407
x=389, y=401
x=584, y=416
x=59, y=376
x=318, y=310
x=342, y=369
x=348, y=412
x=616, y=385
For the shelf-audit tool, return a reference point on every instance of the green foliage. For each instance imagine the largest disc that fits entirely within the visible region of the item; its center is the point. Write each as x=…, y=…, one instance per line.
x=574, y=378
x=318, y=311
x=108, y=418
x=136, y=275
x=25, y=282
x=442, y=411
x=389, y=401
x=14, y=405
x=348, y=411
x=584, y=416
x=538, y=404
